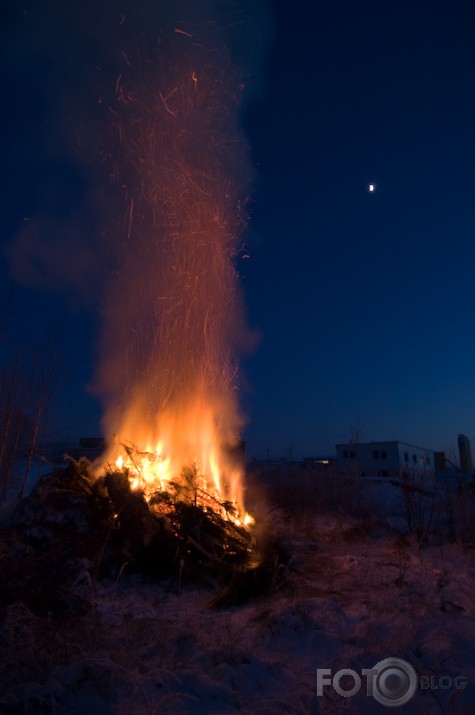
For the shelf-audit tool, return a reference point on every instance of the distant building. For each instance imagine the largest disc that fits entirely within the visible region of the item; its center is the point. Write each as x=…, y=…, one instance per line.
x=384, y=459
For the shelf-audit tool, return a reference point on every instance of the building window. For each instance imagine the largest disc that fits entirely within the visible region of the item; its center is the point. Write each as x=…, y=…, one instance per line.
x=384, y=454
x=414, y=458
x=375, y=454
x=352, y=454
x=345, y=454
x=428, y=460
x=385, y=473
x=406, y=456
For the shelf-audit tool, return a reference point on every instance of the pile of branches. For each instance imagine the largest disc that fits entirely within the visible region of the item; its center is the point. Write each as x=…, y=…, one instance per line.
x=75, y=528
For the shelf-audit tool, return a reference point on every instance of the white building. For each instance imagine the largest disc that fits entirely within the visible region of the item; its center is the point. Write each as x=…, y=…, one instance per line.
x=384, y=459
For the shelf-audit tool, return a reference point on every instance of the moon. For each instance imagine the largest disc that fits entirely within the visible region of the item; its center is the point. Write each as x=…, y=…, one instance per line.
x=371, y=188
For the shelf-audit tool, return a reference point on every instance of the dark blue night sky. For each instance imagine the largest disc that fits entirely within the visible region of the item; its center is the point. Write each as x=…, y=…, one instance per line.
x=364, y=301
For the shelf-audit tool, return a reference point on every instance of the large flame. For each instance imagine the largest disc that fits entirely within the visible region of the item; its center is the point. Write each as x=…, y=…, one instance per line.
x=172, y=311
x=184, y=438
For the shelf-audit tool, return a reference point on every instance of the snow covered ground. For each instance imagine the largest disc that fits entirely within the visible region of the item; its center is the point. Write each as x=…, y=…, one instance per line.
x=358, y=591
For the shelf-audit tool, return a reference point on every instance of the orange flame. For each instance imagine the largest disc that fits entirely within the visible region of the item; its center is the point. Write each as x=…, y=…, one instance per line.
x=188, y=439
x=172, y=309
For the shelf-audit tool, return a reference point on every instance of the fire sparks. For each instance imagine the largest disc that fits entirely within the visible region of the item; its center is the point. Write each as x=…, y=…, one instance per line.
x=172, y=309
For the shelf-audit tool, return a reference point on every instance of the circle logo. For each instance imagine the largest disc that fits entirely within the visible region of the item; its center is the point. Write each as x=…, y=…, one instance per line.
x=394, y=683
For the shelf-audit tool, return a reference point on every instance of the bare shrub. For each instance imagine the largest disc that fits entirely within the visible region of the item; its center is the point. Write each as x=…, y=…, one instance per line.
x=302, y=492
x=27, y=383
x=420, y=497
x=466, y=514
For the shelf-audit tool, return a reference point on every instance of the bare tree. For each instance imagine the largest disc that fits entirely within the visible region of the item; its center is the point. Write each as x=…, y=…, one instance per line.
x=14, y=421
x=43, y=374
x=26, y=389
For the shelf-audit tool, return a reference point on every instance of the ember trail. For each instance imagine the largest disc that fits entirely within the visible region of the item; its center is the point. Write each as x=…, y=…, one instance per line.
x=172, y=309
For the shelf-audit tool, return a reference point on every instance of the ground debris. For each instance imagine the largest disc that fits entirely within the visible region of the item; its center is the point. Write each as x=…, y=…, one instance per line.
x=76, y=528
